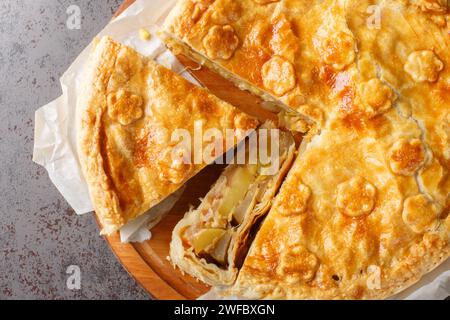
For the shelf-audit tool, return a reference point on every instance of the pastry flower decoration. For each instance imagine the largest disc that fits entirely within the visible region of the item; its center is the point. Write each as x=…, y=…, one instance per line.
x=419, y=213
x=297, y=265
x=279, y=75
x=376, y=97
x=424, y=66
x=293, y=199
x=125, y=107
x=356, y=197
x=173, y=165
x=221, y=42
x=336, y=48
x=406, y=156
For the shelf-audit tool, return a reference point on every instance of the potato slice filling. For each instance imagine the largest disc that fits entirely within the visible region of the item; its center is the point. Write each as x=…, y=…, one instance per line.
x=237, y=186
x=242, y=210
x=232, y=207
x=205, y=239
x=239, y=198
x=219, y=252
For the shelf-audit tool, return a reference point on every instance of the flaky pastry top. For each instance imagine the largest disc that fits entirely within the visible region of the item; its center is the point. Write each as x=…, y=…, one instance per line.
x=128, y=110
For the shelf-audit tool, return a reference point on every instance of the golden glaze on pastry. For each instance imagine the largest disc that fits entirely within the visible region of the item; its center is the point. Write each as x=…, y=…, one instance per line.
x=271, y=53
x=127, y=111
x=364, y=211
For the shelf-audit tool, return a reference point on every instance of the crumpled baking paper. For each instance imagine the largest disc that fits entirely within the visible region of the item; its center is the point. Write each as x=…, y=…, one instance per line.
x=55, y=142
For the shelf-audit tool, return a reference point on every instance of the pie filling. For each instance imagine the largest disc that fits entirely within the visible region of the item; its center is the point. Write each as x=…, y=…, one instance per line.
x=217, y=234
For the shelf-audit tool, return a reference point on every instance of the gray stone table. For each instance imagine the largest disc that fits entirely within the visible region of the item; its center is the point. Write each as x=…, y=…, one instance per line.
x=40, y=235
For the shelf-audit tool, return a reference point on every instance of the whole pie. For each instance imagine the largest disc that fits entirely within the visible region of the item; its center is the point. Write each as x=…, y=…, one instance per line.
x=128, y=111
x=364, y=210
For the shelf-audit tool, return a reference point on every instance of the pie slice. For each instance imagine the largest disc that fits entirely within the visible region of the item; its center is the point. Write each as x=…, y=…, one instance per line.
x=129, y=109
x=211, y=242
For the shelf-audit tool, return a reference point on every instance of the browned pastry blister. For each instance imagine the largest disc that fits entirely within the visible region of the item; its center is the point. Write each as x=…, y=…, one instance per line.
x=363, y=213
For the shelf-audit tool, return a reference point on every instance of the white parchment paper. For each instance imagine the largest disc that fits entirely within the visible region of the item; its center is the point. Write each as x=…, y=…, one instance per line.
x=55, y=136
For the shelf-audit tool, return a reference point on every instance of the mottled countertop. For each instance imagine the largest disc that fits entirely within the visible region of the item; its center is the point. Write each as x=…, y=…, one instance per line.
x=40, y=235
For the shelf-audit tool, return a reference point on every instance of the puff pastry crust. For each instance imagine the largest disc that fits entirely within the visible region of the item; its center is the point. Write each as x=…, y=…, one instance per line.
x=364, y=212
x=274, y=52
x=128, y=109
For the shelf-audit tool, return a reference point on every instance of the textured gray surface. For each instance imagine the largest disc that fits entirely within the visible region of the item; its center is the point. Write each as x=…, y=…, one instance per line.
x=40, y=235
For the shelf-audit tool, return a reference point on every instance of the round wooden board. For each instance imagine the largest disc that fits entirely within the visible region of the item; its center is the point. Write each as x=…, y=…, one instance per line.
x=147, y=262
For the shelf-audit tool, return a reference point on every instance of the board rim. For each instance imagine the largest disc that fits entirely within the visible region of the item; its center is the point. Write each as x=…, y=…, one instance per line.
x=138, y=268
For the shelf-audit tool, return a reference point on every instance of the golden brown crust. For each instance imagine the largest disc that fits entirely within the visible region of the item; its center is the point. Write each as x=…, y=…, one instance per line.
x=127, y=111
x=383, y=88
x=279, y=54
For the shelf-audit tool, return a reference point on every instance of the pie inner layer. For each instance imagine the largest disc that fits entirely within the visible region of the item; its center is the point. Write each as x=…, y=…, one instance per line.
x=211, y=241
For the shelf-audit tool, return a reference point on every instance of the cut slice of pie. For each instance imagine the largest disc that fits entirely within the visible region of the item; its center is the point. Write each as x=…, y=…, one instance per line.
x=128, y=112
x=211, y=242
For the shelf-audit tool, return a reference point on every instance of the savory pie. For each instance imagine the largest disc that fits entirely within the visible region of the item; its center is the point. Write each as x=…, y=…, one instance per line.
x=211, y=241
x=364, y=212
x=128, y=111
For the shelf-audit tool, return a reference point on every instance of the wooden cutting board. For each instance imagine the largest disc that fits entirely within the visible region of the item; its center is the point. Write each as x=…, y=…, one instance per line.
x=147, y=262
